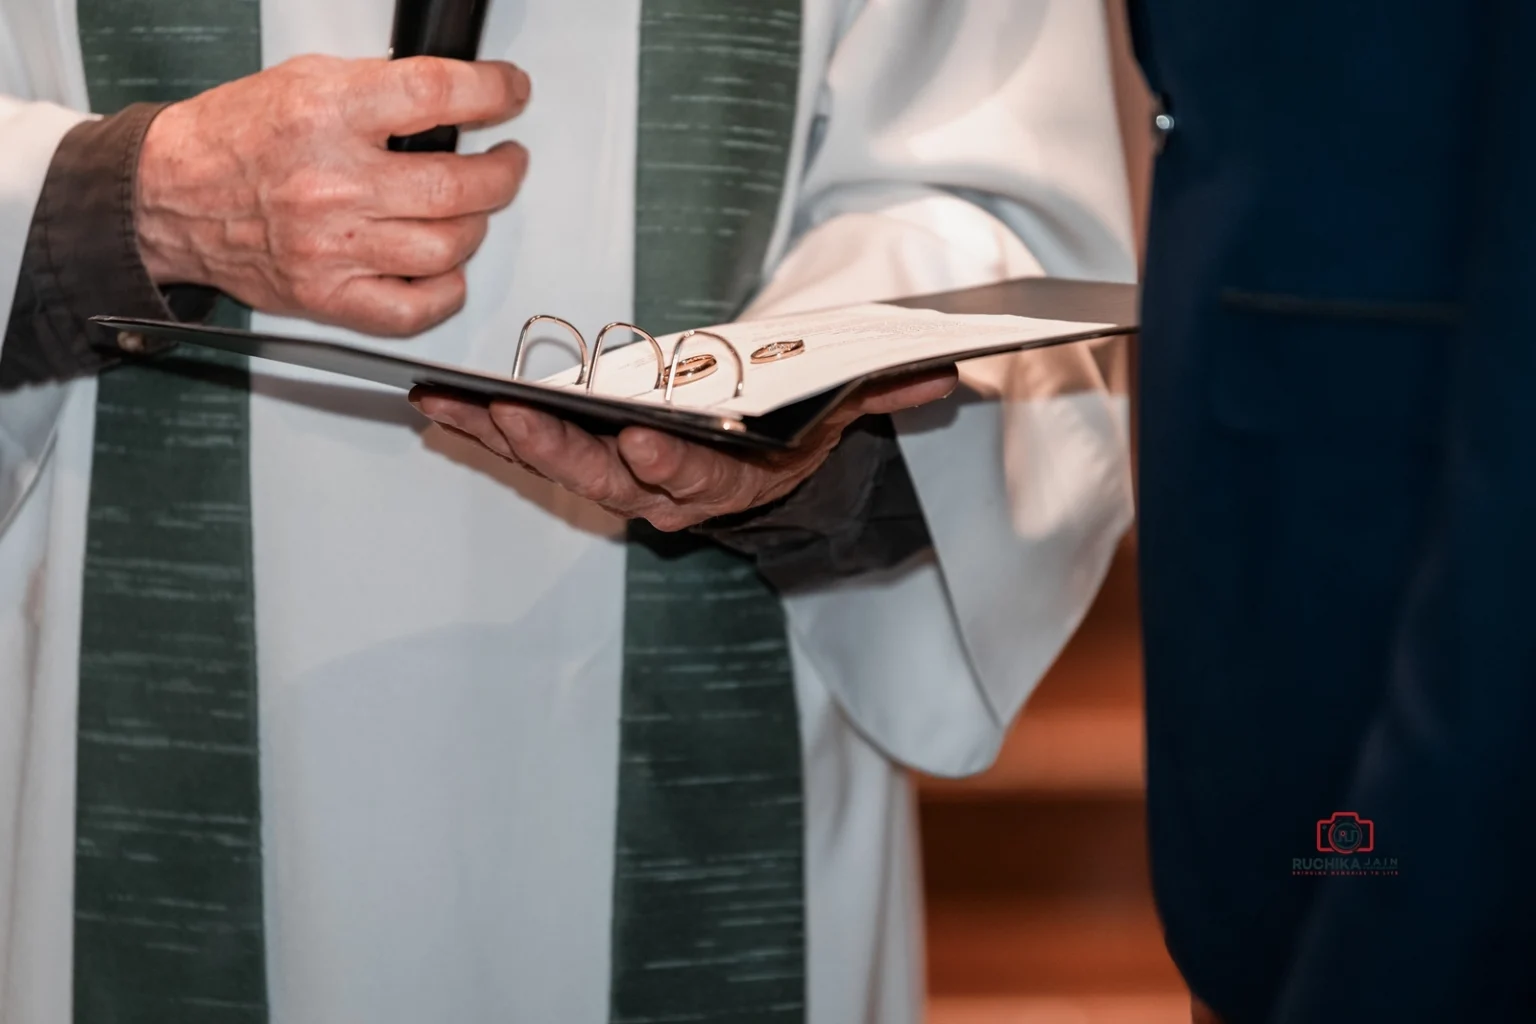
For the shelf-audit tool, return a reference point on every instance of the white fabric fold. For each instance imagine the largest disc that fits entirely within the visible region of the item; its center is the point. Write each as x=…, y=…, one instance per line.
x=1024, y=481
x=29, y=133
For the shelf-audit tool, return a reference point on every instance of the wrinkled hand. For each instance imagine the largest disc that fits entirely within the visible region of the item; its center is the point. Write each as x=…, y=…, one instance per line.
x=278, y=189
x=646, y=474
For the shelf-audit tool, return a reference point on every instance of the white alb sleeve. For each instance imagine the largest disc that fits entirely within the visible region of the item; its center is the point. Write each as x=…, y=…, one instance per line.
x=962, y=143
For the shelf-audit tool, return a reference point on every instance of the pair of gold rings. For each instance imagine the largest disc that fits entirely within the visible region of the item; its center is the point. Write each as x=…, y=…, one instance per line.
x=702, y=365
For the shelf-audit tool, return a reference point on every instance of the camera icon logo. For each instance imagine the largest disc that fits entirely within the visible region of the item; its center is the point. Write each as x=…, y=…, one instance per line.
x=1346, y=832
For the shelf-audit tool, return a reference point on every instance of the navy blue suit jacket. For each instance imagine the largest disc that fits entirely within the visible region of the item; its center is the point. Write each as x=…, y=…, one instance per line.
x=1338, y=505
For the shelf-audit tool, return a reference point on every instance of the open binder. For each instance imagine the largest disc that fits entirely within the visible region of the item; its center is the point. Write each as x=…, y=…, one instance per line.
x=1084, y=310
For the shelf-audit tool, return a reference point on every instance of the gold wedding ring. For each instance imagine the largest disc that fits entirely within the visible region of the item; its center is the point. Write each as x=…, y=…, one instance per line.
x=695, y=368
x=778, y=350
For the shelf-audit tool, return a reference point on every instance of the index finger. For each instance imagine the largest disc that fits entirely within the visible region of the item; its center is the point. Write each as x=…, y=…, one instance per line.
x=413, y=94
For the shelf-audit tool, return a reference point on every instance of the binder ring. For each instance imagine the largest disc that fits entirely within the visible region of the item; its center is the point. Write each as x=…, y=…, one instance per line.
x=597, y=350
x=677, y=351
x=522, y=341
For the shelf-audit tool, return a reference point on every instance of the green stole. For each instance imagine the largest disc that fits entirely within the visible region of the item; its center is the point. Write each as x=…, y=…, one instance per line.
x=709, y=917
x=168, y=899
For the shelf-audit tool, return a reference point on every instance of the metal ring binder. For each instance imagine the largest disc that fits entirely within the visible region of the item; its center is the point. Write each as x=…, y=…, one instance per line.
x=597, y=350
x=522, y=342
x=677, y=351
x=667, y=372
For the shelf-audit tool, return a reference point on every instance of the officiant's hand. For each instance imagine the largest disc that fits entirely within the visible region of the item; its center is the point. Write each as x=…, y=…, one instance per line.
x=647, y=474
x=278, y=188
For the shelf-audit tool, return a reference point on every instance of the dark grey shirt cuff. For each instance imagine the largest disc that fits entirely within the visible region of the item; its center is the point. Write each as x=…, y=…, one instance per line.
x=857, y=514
x=82, y=258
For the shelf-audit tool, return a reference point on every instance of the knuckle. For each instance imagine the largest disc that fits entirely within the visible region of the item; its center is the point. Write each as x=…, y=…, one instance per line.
x=442, y=252
x=446, y=193
x=312, y=295
x=310, y=63
x=306, y=189
x=711, y=481
x=301, y=72
x=310, y=259
x=506, y=419
x=420, y=310
x=428, y=83
x=689, y=489
x=434, y=252
x=603, y=490
x=293, y=197
x=469, y=236
x=306, y=111
x=249, y=234
x=403, y=318
x=722, y=476
x=669, y=519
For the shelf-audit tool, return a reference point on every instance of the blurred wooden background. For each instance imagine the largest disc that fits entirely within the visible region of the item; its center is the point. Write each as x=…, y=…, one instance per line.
x=1039, y=903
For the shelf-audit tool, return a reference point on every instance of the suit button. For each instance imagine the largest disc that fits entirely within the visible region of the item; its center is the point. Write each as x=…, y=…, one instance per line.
x=1162, y=123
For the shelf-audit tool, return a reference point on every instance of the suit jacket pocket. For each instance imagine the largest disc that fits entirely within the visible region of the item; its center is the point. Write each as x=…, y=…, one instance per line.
x=1340, y=369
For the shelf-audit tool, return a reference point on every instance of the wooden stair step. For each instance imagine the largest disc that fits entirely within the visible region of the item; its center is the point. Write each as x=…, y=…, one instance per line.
x=1147, y=1008
x=1065, y=753
x=1062, y=946
x=1041, y=898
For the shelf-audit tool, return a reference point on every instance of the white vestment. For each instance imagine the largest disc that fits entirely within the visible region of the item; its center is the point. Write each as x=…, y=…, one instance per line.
x=439, y=633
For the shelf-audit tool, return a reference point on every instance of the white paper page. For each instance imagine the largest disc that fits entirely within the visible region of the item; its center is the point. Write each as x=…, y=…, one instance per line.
x=840, y=345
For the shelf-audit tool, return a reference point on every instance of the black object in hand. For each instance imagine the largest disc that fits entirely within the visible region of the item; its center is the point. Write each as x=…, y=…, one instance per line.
x=435, y=28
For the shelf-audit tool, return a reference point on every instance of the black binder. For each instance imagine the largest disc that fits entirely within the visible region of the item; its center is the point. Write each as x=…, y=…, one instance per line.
x=1090, y=303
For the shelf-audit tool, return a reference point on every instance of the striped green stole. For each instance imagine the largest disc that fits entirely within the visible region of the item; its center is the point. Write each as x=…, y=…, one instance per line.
x=709, y=918
x=168, y=901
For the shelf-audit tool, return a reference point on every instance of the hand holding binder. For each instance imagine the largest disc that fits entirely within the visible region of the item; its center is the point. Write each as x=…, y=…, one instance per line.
x=649, y=474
